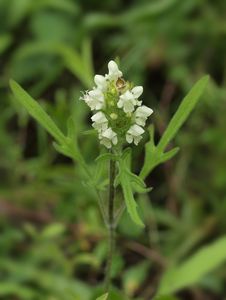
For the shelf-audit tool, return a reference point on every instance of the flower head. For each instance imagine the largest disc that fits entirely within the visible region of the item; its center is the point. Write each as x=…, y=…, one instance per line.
x=120, y=115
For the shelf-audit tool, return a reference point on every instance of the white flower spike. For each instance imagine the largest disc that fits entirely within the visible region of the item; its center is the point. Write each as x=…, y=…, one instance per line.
x=119, y=116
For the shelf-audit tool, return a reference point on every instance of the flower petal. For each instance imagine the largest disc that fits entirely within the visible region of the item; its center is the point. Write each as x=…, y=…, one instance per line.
x=137, y=91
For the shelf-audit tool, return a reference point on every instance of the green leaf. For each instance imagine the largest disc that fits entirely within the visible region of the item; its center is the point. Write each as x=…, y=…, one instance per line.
x=63, y=150
x=103, y=297
x=129, y=199
x=152, y=155
x=37, y=112
x=170, y=154
x=183, y=112
x=130, y=183
x=155, y=155
x=194, y=268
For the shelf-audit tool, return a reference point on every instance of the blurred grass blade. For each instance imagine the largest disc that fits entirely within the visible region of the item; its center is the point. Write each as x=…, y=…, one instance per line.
x=78, y=64
x=37, y=112
x=8, y=288
x=74, y=62
x=67, y=6
x=183, y=112
x=194, y=268
x=103, y=297
x=5, y=42
x=148, y=10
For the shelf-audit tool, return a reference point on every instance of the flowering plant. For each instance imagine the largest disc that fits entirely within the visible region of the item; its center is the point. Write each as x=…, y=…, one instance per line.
x=119, y=119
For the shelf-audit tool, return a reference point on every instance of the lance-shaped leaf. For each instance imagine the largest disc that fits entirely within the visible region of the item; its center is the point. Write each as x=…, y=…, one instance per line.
x=127, y=179
x=129, y=199
x=154, y=155
x=37, y=112
x=183, y=112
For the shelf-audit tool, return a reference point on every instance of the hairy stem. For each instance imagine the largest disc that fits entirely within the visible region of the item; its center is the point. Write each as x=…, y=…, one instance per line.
x=111, y=225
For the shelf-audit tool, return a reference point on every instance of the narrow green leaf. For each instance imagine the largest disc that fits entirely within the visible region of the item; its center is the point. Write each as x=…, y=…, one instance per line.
x=154, y=155
x=63, y=150
x=136, y=179
x=103, y=297
x=170, y=154
x=194, y=268
x=129, y=199
x=183, y=112
x=37, y=112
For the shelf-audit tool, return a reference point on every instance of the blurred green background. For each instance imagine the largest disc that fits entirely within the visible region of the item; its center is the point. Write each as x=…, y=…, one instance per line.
x=52, y=238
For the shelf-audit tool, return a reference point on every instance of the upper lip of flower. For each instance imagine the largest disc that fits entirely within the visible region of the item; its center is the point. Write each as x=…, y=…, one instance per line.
x=113, y=71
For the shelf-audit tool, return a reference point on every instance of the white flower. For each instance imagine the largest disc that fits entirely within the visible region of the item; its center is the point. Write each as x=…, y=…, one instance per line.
x=129, y=99
x=134, y=134
x=100, y=121
x=141, y=114
x=113, y=71
x=127, y=102
x=108, y=137
x=94, y=99
x=101, y=82
x=137, y=91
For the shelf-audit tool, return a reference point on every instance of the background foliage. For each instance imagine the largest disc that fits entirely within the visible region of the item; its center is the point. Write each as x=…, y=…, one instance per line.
x=52, y=241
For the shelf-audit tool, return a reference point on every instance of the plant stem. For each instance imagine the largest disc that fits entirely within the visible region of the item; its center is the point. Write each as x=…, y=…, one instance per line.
x=111, y=225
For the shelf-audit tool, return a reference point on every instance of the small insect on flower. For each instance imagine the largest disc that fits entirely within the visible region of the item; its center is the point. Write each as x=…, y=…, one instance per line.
x=120, y=116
